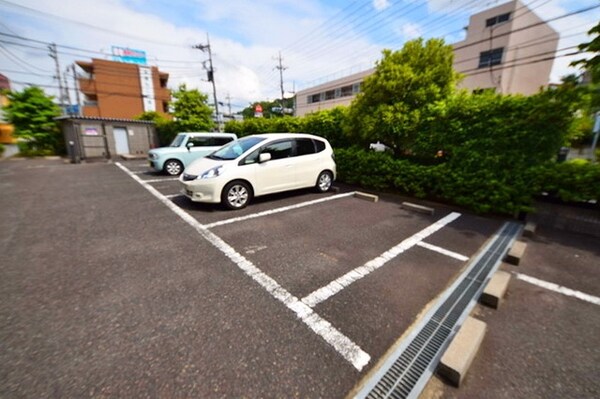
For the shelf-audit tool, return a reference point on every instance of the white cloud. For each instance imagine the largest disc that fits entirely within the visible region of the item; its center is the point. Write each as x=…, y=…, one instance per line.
x=410, y=30
x=381, y=4
x=245, y=37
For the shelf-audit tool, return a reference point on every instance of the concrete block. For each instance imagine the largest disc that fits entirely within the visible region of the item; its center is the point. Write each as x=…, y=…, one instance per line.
x=516, y=253
x=529, y=230
x=365, y=196
x=418, y=208
x=460, y=354
x=495, y=289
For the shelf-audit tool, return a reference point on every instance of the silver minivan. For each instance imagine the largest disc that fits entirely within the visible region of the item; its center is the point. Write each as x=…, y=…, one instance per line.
x=185, y=149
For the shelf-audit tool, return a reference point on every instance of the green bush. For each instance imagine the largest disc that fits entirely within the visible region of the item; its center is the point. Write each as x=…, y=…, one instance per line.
x=2, y=149
x=576, y=180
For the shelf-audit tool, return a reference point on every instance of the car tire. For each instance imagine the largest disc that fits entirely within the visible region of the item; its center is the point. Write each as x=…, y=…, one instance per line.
x=324, y=181
x=236, y=195
x=173, y=167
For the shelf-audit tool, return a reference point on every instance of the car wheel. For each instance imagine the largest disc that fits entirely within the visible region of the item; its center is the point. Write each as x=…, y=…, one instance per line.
x=324, y=181
x=173, y=167
x=236, y=195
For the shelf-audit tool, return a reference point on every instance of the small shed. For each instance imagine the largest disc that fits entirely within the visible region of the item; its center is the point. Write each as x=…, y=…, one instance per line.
x=107, y=138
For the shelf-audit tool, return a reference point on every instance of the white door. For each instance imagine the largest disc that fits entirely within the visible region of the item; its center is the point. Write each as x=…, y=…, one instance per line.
x=121, y=140
x=278, y=174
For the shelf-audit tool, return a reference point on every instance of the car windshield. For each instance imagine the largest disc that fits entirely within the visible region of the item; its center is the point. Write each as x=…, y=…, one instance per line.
x=235, y=148
x=178, y=140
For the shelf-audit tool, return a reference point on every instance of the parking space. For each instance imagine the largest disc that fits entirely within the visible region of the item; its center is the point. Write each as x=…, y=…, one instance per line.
x=193, y=300
x=318, y=254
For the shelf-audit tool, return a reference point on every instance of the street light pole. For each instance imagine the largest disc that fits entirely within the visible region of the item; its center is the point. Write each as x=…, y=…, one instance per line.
x=211, y=76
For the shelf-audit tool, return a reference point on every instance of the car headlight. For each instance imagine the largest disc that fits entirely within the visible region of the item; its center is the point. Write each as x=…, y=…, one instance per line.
x=214, y=172
x=152, y=155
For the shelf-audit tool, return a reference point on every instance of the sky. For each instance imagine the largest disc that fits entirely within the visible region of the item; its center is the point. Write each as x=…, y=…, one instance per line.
x=318, y=40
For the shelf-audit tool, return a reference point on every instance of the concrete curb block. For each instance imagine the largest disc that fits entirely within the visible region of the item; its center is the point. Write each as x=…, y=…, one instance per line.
x=365, y=196
x=418, y=208
x=516, y=253
x=495, y=289
x=529, y=230
x=460, y=354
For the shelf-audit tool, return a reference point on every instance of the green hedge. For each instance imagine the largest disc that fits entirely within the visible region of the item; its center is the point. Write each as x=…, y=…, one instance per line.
x=482, y=190
x=327, y=124
x=577, y=180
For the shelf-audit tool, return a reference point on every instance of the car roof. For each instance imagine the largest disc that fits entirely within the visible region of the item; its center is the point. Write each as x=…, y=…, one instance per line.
x=287, y=136
x=211, y=133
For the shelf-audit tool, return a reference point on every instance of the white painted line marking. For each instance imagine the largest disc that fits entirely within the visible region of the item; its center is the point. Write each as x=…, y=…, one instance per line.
x=443, y=251
x=342, y=344
x=157, y=180
x=558, y=288
x=172, y=195
x=277, y=210
x=339, y=284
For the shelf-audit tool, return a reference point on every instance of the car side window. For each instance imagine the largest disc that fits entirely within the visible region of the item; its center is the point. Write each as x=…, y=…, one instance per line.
x=279, y=149
x=220, y=141
x=200, y=141
x=251, y=158
x=320, y=145
x=304, y=147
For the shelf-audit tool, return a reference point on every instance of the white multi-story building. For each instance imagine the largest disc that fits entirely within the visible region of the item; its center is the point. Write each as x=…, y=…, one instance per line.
x=508, y=49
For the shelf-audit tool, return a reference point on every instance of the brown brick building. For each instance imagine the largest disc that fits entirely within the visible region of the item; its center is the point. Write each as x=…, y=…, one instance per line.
x=121, y=90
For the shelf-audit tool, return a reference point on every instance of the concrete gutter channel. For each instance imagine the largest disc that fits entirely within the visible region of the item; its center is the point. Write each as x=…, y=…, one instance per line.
x=439, y=337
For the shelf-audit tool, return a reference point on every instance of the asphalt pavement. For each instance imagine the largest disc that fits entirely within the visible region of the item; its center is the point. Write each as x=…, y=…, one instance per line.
x=107, y=292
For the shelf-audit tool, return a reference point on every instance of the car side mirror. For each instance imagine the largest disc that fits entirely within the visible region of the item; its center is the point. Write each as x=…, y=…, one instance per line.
x=189, y=145
x=264, y=157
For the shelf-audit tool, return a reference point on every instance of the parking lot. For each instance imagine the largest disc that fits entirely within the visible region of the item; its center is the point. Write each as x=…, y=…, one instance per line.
x=118, y=286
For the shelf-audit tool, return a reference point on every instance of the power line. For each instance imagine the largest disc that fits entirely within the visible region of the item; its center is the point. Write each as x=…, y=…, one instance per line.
x=99, y=28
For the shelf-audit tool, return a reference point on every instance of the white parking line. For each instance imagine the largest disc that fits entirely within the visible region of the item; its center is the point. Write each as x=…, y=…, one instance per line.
x=277, y=210
x=173, y=196
x=558, y=288
x=443, y=251
x=342, y=344
x=156, y=180
x=339, y=284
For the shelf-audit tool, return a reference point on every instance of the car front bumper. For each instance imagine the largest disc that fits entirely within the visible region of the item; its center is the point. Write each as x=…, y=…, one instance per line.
x=201, y=191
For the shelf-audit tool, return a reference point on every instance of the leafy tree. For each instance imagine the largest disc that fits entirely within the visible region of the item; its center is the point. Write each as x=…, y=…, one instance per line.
x=33, y=115
x=396, y=96
x=165, y=128
x=267, y=107
x=593, y=46
x=191, y=110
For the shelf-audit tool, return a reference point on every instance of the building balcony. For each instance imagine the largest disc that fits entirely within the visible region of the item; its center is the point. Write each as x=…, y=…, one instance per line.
x=163, y=94
x=87, y=85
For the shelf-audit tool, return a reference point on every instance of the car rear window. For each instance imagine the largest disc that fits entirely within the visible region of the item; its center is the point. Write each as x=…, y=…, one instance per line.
x=304, y=147
x=320, y=145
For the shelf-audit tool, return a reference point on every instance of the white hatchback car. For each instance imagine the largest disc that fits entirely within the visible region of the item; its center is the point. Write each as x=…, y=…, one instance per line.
x=258, y=165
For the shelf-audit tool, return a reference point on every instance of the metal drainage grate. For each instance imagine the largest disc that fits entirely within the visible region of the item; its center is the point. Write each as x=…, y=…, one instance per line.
x=407, y=371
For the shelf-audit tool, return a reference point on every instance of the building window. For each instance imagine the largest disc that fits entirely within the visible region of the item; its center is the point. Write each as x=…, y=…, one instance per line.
x=329, y=94
x=346, y=91
x=356, y=88
x=313, y=98
x=489, y=58
x=497, y=19
x=338, y=92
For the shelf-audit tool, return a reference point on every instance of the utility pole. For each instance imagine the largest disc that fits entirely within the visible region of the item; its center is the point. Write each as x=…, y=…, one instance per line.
x=76, y=87
x=281, y=69
x=67, y=94
x=228, y=98
x=54, y=54
x=211, y=75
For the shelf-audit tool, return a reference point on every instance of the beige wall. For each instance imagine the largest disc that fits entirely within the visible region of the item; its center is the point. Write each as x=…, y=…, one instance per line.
x=520, y=49
x=303, y=107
